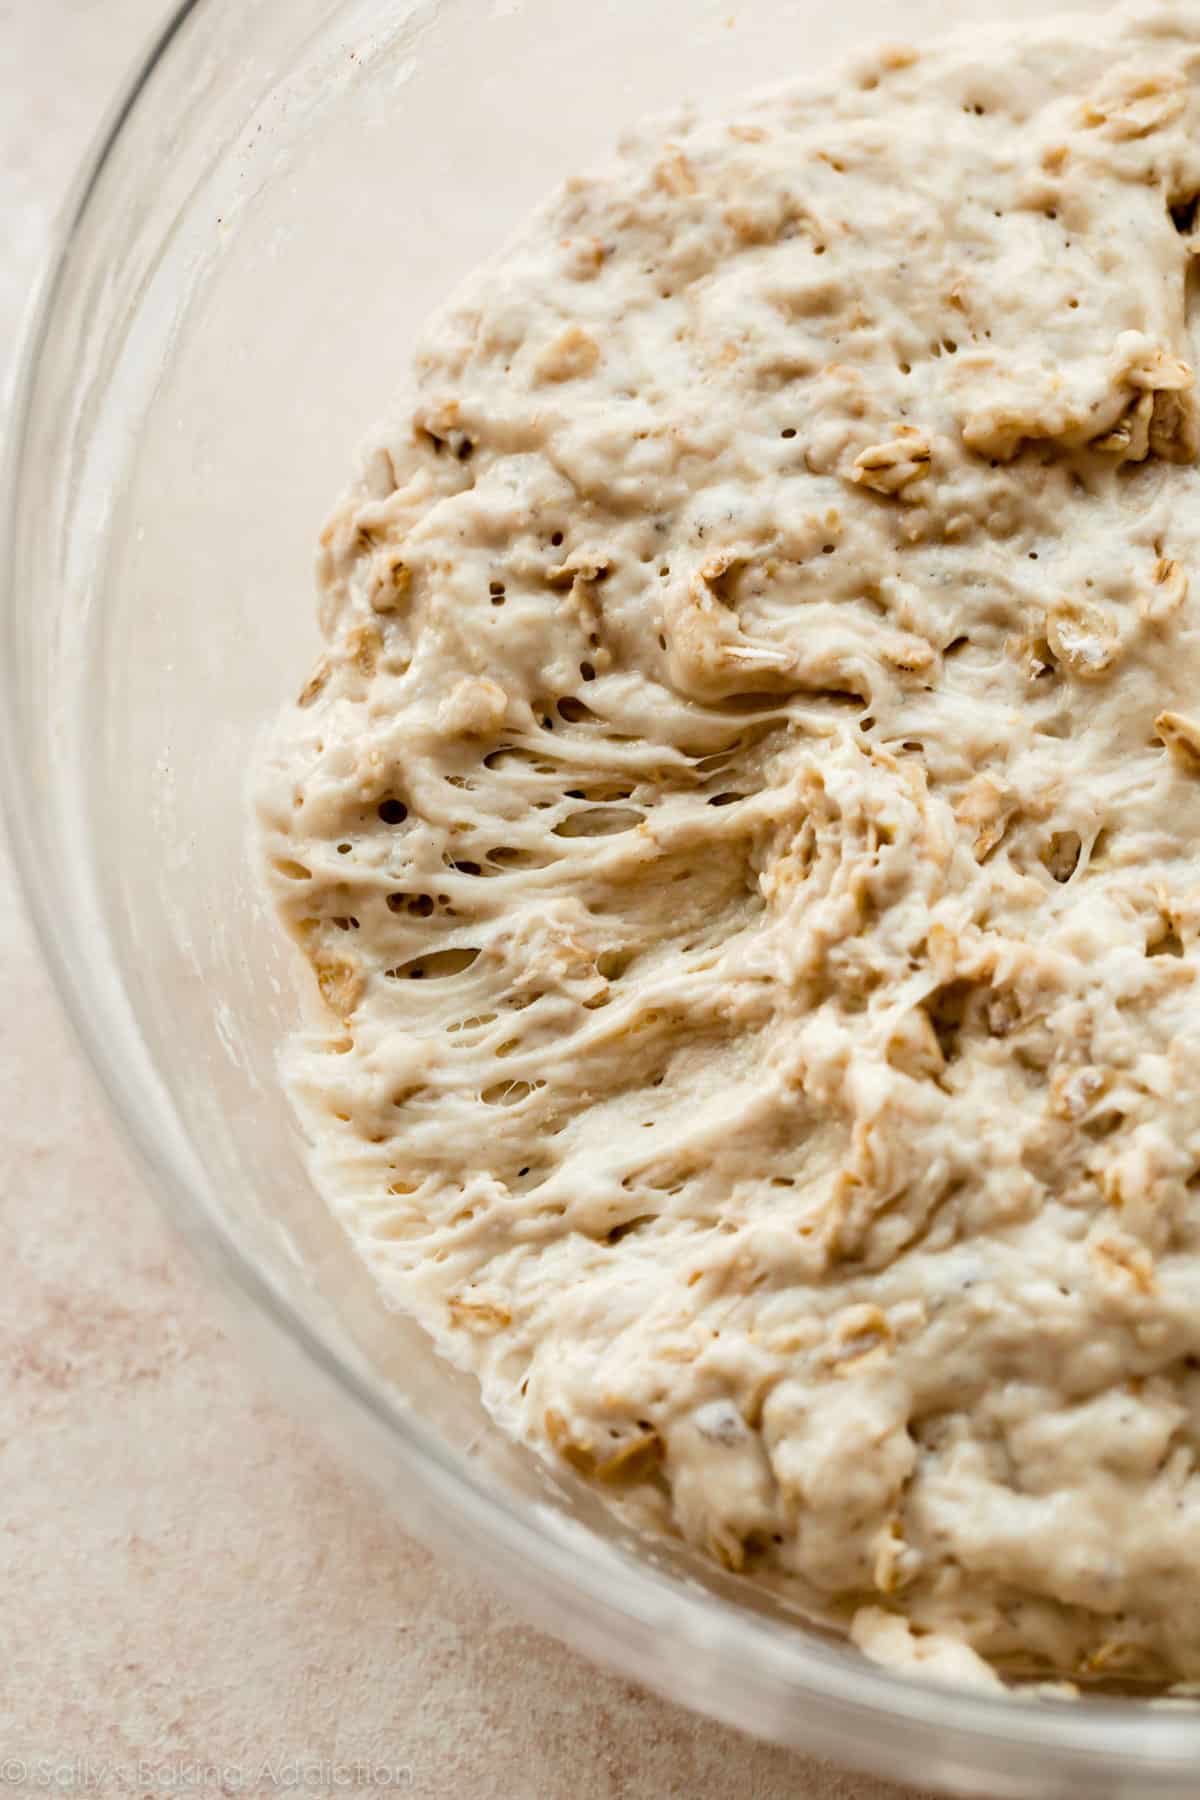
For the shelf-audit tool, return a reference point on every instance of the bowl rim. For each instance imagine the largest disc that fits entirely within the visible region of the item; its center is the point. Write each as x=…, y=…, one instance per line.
x=972, y=1732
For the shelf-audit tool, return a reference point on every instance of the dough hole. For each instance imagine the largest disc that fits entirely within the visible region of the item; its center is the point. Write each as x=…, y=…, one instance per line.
x=438, y=966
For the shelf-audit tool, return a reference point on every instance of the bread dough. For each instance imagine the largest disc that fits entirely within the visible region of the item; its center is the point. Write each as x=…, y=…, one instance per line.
x=744, y=829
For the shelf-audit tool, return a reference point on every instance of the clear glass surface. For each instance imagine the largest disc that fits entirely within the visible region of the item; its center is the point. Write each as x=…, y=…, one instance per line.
x=287, y=189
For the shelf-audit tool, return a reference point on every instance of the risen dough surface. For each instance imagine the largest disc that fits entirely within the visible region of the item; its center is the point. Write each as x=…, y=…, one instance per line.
x=744, y=828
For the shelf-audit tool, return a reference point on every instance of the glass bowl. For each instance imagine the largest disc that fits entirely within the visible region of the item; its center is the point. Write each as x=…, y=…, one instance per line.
x=285, y=190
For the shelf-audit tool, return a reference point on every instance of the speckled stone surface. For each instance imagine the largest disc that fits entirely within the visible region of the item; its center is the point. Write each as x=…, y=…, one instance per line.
x=189, y=1584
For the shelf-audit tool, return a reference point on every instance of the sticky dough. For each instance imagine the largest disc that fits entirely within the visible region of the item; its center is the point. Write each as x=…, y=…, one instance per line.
x=744, y=826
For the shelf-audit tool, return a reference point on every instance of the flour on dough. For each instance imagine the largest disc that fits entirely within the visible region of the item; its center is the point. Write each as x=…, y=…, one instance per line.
x=744, y=830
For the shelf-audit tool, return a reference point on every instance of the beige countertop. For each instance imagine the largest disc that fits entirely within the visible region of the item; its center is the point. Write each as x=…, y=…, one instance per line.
x=187, y=1578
